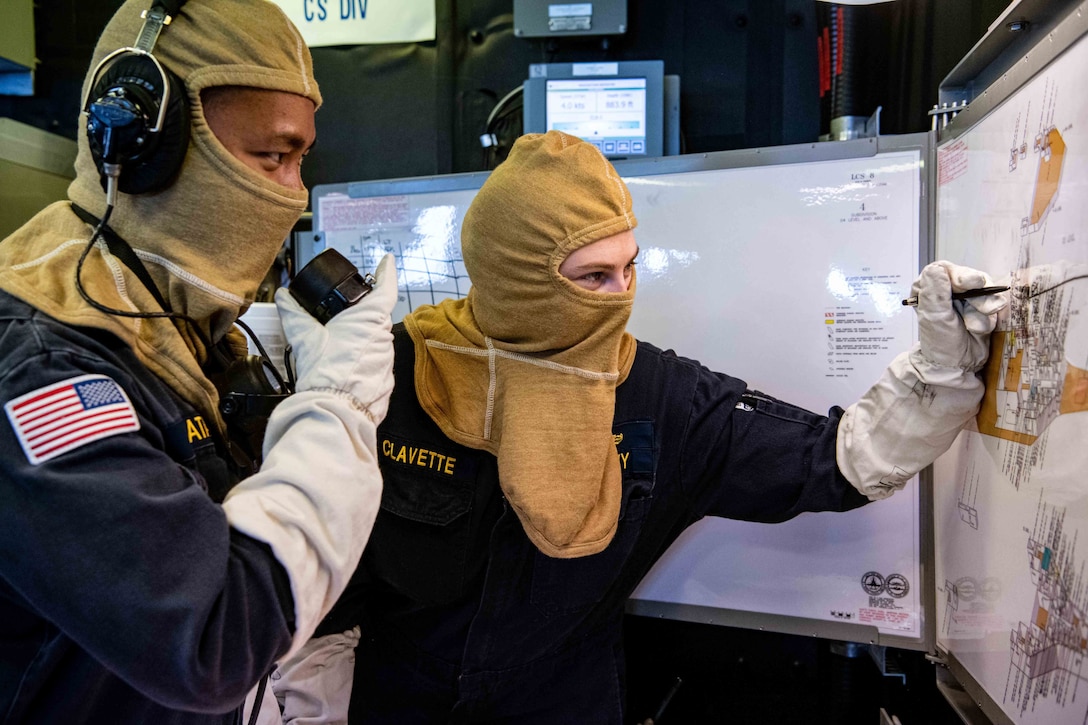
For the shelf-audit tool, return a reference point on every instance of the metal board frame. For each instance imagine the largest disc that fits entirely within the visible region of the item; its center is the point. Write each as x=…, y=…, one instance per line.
x=1008, y=72
x=1022, y=26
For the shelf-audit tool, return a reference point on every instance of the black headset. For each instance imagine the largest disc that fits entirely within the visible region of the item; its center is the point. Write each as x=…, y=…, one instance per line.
x=138, y=113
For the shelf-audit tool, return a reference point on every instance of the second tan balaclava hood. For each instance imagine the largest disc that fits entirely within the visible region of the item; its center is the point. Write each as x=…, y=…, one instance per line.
x=526, y=366
x=207, y=239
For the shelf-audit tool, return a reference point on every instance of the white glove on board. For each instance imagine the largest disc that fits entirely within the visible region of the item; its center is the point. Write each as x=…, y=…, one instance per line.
x=316, y=496
x=923, y=399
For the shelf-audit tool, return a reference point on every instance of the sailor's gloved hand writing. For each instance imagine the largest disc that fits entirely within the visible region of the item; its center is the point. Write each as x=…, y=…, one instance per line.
x=955, y=333
x=917, y=408
x=353, y=352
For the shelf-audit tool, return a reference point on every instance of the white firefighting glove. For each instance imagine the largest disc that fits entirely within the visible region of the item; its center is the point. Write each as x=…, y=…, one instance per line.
x=315, y=685
x=955, y=335
x=316, y=496
x=923, y=399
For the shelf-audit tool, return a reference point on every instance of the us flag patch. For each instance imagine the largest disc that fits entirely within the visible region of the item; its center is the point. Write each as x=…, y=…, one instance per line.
x=72, y=413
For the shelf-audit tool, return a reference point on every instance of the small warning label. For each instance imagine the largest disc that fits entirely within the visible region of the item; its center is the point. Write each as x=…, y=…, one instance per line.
x=951, y=162
x=572, y=23
x=886, y=618
x=340, y=213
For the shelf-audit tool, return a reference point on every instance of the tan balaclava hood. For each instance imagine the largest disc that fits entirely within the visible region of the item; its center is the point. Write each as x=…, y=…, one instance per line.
x=526, y=366
x=207, y=239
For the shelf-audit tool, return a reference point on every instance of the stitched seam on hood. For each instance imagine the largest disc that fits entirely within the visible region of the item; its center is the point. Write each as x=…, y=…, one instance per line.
x=557, y=367
x=299, y=52
x=189, y=277
x=119, y=281
x=46, y=257
x=492, y=384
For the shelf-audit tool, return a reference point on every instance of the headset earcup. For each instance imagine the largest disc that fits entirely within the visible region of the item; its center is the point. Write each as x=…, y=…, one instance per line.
x=154, y=165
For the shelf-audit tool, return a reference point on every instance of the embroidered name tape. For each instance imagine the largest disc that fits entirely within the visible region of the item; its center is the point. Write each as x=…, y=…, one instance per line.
x=64, y=416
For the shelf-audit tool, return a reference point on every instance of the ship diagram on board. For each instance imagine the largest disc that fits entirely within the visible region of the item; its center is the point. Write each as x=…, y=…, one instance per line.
x=1011, y=564
x=1047, y=652
x=1050, y=148
x=966, y=504
x=1029, y=380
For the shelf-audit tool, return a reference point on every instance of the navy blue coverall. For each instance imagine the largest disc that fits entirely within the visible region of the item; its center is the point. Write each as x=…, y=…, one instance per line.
x=94, y=628
x=464, y=621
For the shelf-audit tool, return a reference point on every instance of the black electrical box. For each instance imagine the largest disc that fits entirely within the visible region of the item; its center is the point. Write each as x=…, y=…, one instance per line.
x=549, y=19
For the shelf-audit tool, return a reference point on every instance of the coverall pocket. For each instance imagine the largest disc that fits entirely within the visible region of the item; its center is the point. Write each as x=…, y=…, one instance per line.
x=424, y=533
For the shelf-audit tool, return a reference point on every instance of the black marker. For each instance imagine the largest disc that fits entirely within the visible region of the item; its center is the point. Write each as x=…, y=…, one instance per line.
x=968, y=294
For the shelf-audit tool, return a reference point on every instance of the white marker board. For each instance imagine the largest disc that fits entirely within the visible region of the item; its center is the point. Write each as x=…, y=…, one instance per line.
x=790, y=276
x=1011, y=497
x=784, y=267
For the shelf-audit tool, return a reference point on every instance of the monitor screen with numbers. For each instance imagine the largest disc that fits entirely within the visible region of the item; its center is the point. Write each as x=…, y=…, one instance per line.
x=617, y=106
x=609, y=112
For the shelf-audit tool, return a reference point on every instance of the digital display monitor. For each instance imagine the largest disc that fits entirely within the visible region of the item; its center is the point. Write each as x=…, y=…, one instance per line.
x=608, y=112
x=618, y=106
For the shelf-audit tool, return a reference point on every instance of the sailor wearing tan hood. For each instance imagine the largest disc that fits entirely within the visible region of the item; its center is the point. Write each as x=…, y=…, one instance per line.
x=130, y=590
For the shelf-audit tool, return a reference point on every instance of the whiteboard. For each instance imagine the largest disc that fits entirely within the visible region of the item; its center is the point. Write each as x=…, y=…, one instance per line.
x=790, y=276
x=1011, y=496
x=784, y=267
x=418, y=220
